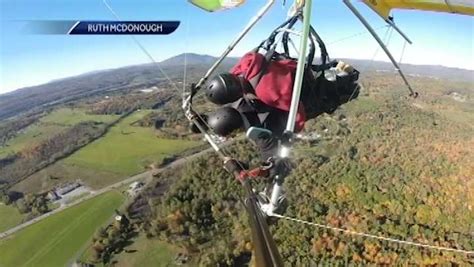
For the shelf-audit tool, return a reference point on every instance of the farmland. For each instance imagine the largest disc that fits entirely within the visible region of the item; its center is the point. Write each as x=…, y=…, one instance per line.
x=9, y=217
x=126, y=149
x=71, y=116
x=145, y=253
x=30, y=136
x=56, y=240
x=50, y=125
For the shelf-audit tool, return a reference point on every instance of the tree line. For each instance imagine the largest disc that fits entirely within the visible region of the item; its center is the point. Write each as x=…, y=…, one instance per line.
x=382, y=167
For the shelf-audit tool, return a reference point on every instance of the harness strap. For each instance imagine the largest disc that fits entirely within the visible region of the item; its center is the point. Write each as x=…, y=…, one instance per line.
x=252, y=105
x=254, y=173
x=286, y=36
x=263, y=68
x=323, y=67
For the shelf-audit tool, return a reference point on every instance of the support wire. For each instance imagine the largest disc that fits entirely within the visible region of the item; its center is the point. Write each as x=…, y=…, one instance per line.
x=393, y=240
x=222, y=151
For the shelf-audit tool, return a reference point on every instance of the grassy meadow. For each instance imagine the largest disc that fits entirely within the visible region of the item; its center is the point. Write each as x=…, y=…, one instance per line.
x=126, y=149
x=55, y=241
x=68, y=117
x=148, y=253
x=145, y=252
x=50, y=125
x=9, y=217
x=30, y=136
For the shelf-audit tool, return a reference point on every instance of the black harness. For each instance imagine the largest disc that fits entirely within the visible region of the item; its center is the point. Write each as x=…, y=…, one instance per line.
x=318, y=94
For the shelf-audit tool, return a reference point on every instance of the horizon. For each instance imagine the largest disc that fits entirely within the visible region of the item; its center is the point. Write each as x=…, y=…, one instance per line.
x=39, y=59
x=91, y=72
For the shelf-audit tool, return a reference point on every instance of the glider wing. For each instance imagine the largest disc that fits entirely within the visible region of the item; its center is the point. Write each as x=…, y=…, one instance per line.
x=383, y=7
x=216, y=5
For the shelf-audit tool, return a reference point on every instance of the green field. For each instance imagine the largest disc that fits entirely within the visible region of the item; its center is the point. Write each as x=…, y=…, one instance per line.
x=56, y=240
x=32, y=135
x=53, y=123
x=9, y=217
x=146, y=252
x=126, y=149
x=41, y=181
x=67, y=116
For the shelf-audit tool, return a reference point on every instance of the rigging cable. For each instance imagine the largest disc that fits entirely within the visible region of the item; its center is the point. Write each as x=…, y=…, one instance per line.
x=223, y=149
x=286, y=217
x=354, y=35
x=393, y=240
x=186, y=46
x=267, y=251
x=142, y=47
x=386, y=39
x=403, y=52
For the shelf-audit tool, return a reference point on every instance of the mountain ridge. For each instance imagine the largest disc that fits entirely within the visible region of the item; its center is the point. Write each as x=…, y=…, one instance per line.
x=147, y=75
x=194, y=59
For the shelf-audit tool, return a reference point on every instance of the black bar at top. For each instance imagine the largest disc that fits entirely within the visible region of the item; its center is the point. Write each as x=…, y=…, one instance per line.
x=123, y=27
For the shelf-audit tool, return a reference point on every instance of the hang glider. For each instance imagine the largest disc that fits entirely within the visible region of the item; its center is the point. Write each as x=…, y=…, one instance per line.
x=266, y=252
x=384, y=7
x=216, y=5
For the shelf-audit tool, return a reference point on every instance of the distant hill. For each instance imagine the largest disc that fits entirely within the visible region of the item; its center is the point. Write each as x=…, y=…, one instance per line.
x=69, y=89
x=435, y=71
x=147, y=75
x=195, y=59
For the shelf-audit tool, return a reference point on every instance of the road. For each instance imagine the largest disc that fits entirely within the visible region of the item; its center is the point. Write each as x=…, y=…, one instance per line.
x=145, y=176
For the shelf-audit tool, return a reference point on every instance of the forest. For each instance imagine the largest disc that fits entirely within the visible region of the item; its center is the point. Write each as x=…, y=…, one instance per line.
x=380, y=165
x=383, y=165
x=16, y=166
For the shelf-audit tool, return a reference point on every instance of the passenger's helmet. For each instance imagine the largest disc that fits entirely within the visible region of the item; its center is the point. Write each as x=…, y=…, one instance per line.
x=225, y=120
x=225, y=88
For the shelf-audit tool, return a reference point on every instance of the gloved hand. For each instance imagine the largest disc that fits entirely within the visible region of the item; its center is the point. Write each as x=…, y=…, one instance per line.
x=344, y=67
x=281, y=167
x=266, y=144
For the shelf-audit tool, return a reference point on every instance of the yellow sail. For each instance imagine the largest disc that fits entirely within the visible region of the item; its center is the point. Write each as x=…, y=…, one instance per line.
x=383, y=7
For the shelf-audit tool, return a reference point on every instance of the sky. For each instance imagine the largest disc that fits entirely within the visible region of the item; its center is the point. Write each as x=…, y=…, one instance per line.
x=27, y=59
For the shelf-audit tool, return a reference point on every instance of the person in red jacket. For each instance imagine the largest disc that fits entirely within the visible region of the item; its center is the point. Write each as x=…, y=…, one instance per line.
x=257, y=93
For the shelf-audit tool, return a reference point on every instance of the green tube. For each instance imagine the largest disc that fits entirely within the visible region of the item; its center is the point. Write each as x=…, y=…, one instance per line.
x=295, y=98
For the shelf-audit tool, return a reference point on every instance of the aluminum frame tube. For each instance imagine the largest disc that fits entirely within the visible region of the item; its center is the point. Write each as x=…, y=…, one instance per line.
x=295, y=99
x=300, y=68
x=239, y=37
x=393, y=25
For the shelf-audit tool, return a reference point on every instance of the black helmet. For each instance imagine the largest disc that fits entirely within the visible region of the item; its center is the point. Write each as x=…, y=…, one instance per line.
x=225, y=120
x=224, y=88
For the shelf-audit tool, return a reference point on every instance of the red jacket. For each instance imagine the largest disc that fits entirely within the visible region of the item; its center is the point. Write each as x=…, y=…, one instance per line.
x=276, y=85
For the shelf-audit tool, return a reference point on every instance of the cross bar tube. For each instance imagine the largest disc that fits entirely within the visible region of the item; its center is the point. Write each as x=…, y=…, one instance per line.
x=239, y=37
x=393, y=25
